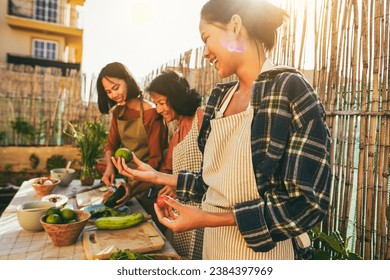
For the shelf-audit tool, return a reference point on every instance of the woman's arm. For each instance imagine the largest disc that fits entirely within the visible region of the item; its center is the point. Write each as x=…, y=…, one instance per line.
x=185, y=217
x=113, y=143
x=144, y=172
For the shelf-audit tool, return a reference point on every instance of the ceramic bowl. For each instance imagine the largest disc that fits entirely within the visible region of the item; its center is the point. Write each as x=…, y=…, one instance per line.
x=66, y=234
x=29, y=214
x=44, y=185
x=65, y=176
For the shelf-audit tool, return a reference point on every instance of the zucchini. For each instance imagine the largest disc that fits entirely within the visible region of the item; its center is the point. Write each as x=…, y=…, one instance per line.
x=120, y=222
x=111, y=200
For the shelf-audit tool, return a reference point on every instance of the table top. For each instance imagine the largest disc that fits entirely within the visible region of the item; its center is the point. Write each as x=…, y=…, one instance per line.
x=17, y=243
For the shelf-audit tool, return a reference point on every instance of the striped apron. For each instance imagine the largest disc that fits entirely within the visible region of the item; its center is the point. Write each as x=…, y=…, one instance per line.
x=228, y=171
x=187, y=156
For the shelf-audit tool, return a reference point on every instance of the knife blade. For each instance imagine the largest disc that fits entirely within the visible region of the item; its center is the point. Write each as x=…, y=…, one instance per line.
x=73, y=194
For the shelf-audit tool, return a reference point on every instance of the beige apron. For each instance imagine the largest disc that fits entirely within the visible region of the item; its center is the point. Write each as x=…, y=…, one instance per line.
x=134, y=137
x=133, y=134
x=228, y=171
x=187, y=156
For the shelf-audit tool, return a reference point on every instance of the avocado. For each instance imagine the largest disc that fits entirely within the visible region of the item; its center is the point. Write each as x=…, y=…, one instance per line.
x=111, y=200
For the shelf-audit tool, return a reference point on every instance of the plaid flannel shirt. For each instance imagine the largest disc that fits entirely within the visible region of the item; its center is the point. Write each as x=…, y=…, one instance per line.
x=290, y=144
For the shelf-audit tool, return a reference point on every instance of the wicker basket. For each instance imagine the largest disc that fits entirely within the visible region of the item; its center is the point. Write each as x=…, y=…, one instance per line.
x=66, y=234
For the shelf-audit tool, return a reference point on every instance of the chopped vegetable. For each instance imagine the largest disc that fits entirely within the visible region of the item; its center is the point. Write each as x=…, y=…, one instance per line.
x=106, y=212
x=126, y=254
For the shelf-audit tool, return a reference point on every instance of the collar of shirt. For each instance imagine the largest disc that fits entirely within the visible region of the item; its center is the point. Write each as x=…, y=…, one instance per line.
x=267, y=66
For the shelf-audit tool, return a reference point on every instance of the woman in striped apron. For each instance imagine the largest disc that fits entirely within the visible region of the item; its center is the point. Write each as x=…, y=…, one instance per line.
x=176, y=101
x=265, y=176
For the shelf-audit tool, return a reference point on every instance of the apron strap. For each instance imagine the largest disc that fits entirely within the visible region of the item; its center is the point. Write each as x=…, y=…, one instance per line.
x=122, y=111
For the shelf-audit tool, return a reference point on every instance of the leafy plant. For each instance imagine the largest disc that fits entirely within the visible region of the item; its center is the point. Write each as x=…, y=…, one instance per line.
x=2, y=137
x=331, y=247
x=34, y=161
x=23, y=129
x=91, y=141
x=8, y=167
x=23, y=175
x=55, y=161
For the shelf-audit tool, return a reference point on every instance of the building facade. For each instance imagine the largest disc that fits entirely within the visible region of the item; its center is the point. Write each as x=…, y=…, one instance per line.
x=42, y=32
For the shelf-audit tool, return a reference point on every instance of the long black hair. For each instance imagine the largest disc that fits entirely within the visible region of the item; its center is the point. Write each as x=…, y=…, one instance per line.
x=259, y=17
x=183, y=100
x=119, y=71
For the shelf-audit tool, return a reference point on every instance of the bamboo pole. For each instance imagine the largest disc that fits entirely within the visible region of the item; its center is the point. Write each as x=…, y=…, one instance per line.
x=353, y=126
x=303, y=38
x=363, y=132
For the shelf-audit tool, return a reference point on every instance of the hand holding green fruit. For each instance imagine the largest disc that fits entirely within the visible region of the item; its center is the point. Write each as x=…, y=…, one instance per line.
x=124, y=153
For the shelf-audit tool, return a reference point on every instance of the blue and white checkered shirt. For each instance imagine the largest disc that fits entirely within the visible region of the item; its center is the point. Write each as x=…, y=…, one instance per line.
x=290, y=144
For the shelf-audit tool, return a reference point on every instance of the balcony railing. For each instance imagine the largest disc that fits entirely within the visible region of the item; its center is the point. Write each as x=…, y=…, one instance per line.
x=65, y=15
x=33, y=61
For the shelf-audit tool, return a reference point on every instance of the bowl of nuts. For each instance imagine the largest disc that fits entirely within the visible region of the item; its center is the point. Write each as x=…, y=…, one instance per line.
x=44, y=185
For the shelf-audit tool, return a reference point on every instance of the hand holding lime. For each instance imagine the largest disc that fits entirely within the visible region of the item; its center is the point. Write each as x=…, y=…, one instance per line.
x=124, y=153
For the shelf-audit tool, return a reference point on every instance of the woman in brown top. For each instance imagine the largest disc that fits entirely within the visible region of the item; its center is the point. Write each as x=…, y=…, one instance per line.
x=135, y=124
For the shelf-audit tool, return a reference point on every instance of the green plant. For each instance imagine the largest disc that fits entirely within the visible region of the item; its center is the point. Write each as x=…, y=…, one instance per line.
x=22, y=176
x=8, y=167
x=34, y=161
x=331, y=247
x=24, y=129
x=55, y=161
x=91, y=141
x=2, y=137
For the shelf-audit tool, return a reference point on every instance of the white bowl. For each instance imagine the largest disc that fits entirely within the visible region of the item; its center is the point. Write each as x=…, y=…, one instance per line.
x=61, y=174
x=29, y=214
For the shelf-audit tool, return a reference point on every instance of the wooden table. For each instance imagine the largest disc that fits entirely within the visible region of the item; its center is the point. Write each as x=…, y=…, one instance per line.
x=17, y=243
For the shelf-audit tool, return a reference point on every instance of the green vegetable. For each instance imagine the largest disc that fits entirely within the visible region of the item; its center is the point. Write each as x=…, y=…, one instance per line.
x=126, y=254
x=119, y=193
x=106, y=212
x=120, y=222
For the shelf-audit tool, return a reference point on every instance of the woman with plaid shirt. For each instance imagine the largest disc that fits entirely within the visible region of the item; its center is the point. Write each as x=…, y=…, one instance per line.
x=265, y=176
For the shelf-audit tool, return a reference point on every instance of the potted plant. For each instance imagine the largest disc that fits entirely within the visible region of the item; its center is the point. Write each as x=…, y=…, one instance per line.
x=91, y=140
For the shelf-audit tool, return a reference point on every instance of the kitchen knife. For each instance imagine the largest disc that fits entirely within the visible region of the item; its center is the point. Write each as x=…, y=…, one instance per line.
x=99, y=185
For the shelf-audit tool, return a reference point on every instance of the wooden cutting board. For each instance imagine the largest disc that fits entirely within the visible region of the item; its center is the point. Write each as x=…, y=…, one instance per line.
x=100, y=244
x=89, y=198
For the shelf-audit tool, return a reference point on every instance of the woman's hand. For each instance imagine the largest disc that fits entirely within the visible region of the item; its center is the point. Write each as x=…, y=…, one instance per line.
x=144, y=171
x=169, y=191
x=179, y=217
x=121, y=201
x=109, y=175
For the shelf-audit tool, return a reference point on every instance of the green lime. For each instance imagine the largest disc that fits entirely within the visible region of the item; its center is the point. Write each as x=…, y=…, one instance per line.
x=124, y=153
x=53, y=210
x=54, y=219
x=68, y=214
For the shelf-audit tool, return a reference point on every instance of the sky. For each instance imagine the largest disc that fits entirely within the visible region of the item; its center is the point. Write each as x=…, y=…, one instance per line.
x=142, y=34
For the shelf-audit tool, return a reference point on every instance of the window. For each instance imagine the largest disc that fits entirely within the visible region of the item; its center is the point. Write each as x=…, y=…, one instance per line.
x=46, y=10
x=45, y=49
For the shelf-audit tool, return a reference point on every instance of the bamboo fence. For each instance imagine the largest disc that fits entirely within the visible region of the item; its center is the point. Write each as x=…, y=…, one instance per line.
x=346, y=44
x=44, y=101
x=342, y=47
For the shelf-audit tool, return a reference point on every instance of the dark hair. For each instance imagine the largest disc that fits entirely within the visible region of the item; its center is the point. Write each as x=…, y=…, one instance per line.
x=260, y=18
x=184, y=100
x=119, y=71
